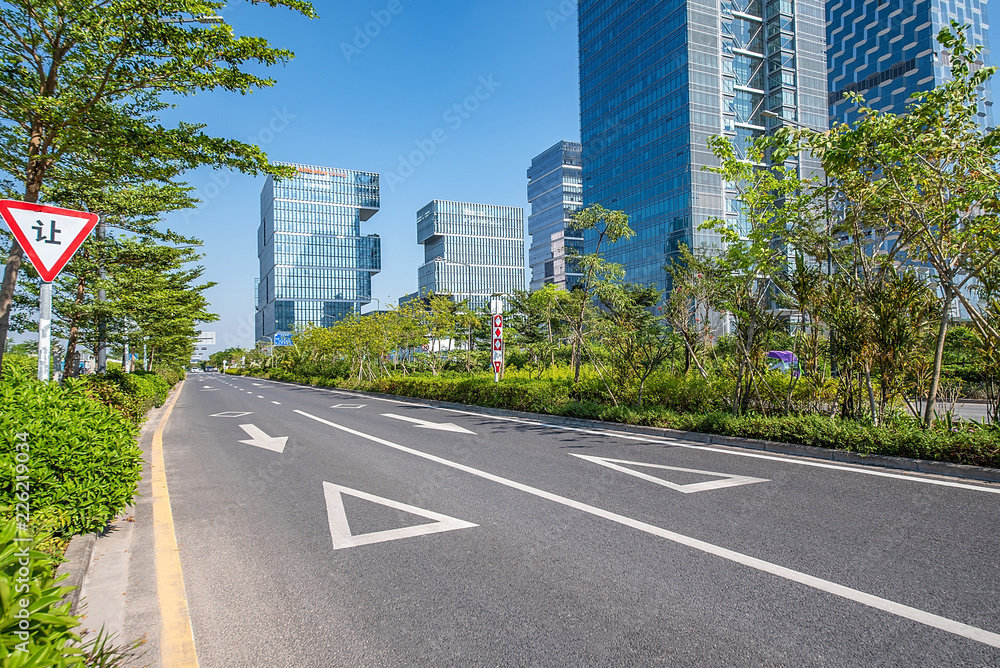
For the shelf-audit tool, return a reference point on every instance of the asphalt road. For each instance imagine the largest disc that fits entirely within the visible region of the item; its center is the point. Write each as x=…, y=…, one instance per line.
x=371, y=540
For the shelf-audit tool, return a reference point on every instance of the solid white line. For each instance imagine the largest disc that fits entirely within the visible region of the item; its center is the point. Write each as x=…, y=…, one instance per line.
x=877, y=602
x=753, y=455
x=915, y=477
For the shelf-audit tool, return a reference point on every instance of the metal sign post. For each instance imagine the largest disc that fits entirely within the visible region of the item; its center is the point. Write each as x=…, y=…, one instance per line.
x=497, y=347
x=44, y=330
x=496, y=309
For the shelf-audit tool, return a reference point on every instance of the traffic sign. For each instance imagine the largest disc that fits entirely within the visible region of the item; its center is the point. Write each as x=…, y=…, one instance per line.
x=496, y=367
x=498, y=321
x=48, y=235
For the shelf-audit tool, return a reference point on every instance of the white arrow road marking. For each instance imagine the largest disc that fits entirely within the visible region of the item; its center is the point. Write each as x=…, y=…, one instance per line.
x=725, y=479
x=262, y=440
x=424, y=424
x=340, y=529
x=858, y=596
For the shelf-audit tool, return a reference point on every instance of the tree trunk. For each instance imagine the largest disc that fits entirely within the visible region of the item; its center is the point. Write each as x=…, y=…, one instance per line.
x=576, y=357
x=32, y=186
x=871, y=394
x=7, y=293
x=938, y=357
x=70, y=369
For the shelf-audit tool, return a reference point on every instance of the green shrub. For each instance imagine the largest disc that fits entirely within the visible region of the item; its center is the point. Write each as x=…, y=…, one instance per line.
x=39, y=634
x=83, y=461
x=134, y=394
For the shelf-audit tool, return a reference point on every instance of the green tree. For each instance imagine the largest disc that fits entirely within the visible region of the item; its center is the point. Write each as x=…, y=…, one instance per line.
x=84, y=83
x=776, y=215
x=608, y=227
x=633, y=331
x=931, y=176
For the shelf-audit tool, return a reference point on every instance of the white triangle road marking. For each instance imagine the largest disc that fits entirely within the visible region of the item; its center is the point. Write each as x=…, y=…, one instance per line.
x=340, y=529
x=426, y=424
x=724, y=479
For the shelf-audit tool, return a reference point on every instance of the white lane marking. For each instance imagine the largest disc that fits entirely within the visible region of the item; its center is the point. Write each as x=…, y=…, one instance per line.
x=724, y=479
x=915, y=477
x=340, y=529
x=232, y=414
x=870, y=600
x=276, y=403
x=261, y=440
x=210, y=390
x=259, y=397
x=426, y=424
x=348, y=406
x=753, y=455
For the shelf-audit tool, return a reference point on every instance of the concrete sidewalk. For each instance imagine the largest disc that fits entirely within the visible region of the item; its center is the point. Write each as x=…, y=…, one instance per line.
x=114, y=571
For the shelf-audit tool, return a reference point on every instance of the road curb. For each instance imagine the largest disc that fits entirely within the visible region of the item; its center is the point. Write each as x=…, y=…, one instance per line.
x=75, y=567
x=965, y=471
x=79, y=554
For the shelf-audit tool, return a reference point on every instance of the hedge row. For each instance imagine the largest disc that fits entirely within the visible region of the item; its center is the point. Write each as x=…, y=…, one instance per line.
x=963, y=443
x=80, y=456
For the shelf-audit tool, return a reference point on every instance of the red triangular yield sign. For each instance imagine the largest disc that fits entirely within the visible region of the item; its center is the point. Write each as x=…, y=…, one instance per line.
x=48, y=235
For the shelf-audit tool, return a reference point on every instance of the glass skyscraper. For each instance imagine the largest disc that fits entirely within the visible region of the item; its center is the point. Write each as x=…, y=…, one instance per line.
x=657, y=79
x=889, y=50
x=471, y=251
x=315, y=265
x=555, y=191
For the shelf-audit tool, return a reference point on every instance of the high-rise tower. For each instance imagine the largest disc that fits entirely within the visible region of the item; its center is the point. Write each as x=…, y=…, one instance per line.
x=315, y=266
x=657, y=79
x=555, y=191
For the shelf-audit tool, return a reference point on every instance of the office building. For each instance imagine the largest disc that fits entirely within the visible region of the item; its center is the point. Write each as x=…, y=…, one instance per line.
x=657, y=79
x=888, y=50
x=555, y=192
x=315, y=265
x=471, y=251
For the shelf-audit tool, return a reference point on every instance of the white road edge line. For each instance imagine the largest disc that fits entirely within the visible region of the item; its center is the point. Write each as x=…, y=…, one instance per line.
x=870, y=600
x=917, y=477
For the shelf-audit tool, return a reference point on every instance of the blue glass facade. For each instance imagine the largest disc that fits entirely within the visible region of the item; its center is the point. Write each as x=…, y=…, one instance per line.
x=657, y=79
x=555, y=191
x=315, y=265
x=471, y=251
x=888, y=50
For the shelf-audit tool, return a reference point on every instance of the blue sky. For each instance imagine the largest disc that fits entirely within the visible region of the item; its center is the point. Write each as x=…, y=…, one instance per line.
x=348, y=102
x=363, y=102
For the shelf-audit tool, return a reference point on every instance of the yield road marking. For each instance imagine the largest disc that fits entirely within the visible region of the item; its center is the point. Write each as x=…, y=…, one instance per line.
x=262, y=440
x=870, y=600
x=340, y=528
x=426, y=424
x=724, y=479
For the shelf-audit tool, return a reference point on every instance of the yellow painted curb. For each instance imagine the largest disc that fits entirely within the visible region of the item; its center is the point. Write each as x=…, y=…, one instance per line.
x=176, y=638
